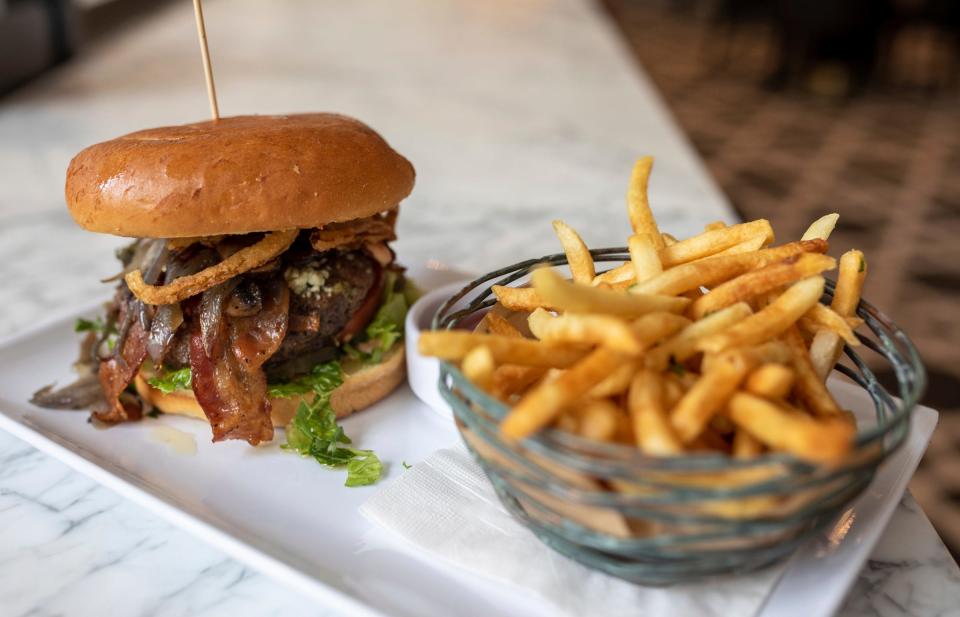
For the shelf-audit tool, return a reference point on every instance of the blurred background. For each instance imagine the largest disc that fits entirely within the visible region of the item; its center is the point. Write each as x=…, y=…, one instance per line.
x=797, y=108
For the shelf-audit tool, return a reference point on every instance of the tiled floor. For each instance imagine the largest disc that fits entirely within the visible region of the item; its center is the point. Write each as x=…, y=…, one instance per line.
x=887, y=161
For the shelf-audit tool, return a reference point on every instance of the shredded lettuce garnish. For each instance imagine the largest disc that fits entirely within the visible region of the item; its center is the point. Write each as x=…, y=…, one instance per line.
x=314, y=430
x=364, y=469
x=109, y=332
x=86, y=325
x=386, y=328
x=168, y=381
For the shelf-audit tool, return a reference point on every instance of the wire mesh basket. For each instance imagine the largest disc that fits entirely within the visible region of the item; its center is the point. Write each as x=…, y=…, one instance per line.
x=665, y=520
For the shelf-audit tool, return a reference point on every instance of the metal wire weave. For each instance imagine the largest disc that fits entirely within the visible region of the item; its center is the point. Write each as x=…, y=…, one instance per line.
x=673, y=519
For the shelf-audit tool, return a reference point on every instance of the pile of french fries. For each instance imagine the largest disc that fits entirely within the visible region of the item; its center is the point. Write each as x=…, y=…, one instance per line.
x=717, y=342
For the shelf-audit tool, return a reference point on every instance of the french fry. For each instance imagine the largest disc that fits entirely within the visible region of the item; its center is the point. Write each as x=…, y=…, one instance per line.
x=745, y=445
x=568, y=296
x=722, y=425
x=714, y=225
x=815, y=440
x=651, y=426
x=770, y=352
x=644, y=257
x=615, y=383
x=518, y=298
x=673, y=391
x=771, y=321
x=821, y=228
x=709, y=441
x=511, y=379
x=569, y=422
x=638, y=203
x=850, y=279
x=624, y=433
x=712, y=242
x=684, y=344
x=825, y=350
x=709, y=272
x=756, y=282
x=612, y=332
x=809, y=389
x=747, y=246
x=456, y=344
x=668, y=240
x=541, y=405
x=826, y=346
x=478, y=366
x=625, y=275
x=578, y=255
x=621, y=275
x=770, y=380
x=654, y=327
x=820, y=317
x=708, y=395
x=498, y=324
x=598, y=420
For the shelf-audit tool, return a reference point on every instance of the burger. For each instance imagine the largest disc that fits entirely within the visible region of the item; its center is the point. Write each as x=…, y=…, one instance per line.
x=260, y=284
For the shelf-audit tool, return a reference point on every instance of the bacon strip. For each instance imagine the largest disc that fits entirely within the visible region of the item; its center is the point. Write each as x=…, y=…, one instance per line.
x=356, y=233
x=117, y=372
x=228, y=380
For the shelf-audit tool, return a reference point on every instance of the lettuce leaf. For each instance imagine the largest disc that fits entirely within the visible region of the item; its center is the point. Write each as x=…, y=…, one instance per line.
x=386, y=328
x=314, y=430
x=168, y=380
x=98, y=326
x=324, y=377
x=86, y=325
x=364, y=469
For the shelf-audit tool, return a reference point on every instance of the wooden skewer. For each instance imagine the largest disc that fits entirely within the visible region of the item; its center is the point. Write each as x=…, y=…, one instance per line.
x=207, y=68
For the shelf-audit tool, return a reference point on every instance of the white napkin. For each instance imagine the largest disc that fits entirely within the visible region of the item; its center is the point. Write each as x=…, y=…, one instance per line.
x=446, y=507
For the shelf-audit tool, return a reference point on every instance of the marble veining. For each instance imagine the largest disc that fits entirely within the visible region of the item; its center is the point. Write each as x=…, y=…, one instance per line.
x=514, y=113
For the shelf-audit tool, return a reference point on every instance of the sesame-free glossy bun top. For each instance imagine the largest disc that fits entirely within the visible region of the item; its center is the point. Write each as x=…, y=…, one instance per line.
x=236, y=175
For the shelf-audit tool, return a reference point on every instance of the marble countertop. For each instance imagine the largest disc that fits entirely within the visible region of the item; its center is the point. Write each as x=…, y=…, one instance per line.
x=513, y=112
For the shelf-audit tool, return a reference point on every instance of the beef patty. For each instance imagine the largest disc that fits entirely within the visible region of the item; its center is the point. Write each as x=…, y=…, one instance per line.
x=326, y=291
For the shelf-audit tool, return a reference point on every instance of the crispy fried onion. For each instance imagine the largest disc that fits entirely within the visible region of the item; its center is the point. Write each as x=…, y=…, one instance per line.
x=356, y=233
x=186, y=286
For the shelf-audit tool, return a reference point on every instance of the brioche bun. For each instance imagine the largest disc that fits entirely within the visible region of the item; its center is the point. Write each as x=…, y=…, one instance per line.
x=236, y=175
x=359, y=390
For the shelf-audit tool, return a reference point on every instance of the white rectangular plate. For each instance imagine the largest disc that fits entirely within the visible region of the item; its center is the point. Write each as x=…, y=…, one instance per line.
x=295, y=521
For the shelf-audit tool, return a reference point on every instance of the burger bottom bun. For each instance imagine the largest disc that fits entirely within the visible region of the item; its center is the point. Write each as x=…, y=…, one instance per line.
x=359, y=390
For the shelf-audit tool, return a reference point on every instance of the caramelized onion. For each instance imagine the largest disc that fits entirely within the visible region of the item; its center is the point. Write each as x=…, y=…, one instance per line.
x=84, y=393
x=241, y=261
x=211, y=314
x=165, y=323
